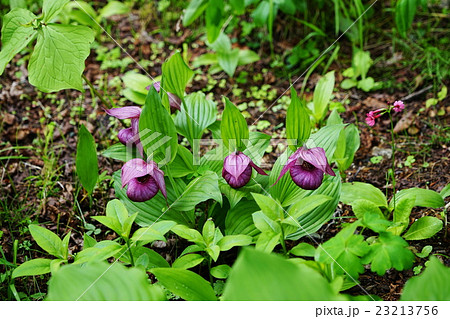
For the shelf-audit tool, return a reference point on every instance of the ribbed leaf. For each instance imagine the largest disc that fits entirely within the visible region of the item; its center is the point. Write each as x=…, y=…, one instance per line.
x=234, y=128
x=176, y=75
x=86, y=160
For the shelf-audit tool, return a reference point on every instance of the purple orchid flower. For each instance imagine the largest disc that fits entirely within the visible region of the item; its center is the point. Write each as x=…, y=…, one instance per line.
x=131, y=134
x=143, y=180
x=174, y=101
x=307, y=167
x=237, y=169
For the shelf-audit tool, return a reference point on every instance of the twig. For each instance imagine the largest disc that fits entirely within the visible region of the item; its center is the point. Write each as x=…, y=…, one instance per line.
x=414, y=94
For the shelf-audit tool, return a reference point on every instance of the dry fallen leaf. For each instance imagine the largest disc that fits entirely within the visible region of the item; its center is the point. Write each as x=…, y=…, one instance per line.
x=405, y=122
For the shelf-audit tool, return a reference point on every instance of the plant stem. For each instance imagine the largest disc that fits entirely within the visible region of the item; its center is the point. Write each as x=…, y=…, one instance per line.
x=393, y=157
x=96, y=93
x=209, y=270
x=129, y=251
x=283, y=243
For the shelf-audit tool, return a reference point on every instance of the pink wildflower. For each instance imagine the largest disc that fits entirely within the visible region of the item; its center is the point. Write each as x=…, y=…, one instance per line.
x=399, y=106
x=372, y=115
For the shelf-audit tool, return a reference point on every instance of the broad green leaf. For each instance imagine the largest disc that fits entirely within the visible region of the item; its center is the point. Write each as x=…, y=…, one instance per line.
x=423, y=228
x=298, y=124
x=357, y=190
x=267, y=241
x=137, y=82
x=198, y=190
x=430, y=285
x=86, y=160
x=233, y=128
x=239, y=219
x=189, y=234
x=401, y=215
x=322, y=95
x=113, y=8
x=195, y=116
x=32, y=267
x=214, y=17
x=262, y=277
x=17, y=33
x=208, y=231
x=307, y=204
x=188, y=261
x=51, y=8
x=117, y=210
x=213, y=251
x=120, y=152
x=265, y=224
x=184, y=283
x=99, y=252
x=157, y=130
x=220, y=271
x=389, y=251
x=228, y=61
x=65, y=245
x=247, y=57
x=366, y=84
x=424, y=197
x=183, y=164
x=425, y=252
x=445, y=192
x=361, y=63
x=405, y=10
x=47, y=240
x=60, y=50
x=230, y=241
x=370, y=215
x=269, y=206
x=101, y=282
x=303, y=250
x=327, y=138
x=148, y=234
x=194, y=10
x=348, y=84
x=88, y=241
x=110, y=222
x=155, y=260
x=176, y=75
x=352, y=143
x=344, y=252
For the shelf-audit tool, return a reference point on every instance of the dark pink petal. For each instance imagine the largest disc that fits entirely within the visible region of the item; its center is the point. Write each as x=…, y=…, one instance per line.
x=305, y=178
x=370, y=120
x=290, y=163
x=126, y=112
x=316, y=157
x=133, y=169
x=236, y=163
x=258, y=169
x=158, y=176
x=239, y=181
x=174, y=102
x=142, y=188
x=125, y=135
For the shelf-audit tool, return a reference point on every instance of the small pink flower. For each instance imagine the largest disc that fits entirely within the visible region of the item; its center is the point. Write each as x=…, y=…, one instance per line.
x=399, y=106
x=372, y=115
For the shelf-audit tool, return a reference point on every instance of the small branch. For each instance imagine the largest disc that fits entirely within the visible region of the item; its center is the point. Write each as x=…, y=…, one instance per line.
x=414, y=94
x=105, y=103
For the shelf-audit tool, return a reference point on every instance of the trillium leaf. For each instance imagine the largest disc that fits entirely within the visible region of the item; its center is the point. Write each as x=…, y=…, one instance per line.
x=58, y=57
x=389, y=251
x=17, y=33
x=51, y=8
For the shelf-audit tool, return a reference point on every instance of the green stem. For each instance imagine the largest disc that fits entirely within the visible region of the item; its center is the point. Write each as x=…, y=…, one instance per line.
x=172, y=181
x=393, y=157
x=209, y=270
x=283, y=243
x=129, y=251
x=96, y=93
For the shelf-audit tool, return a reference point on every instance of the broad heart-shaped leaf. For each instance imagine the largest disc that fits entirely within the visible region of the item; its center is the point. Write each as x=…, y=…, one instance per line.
x=344, y=252
x=322, y=95
x=357, y=190
x=405, y=10
x=424, y=228
x=184, y=283
x=298, y=124
x=17, y=32
x=176, y=75
x=58, y=57
x=200, y=189
x=389, y=251
x=423, y=197
x=86, y=160
x=33, y=267
x=197, y=113
x=50, y=9
x=260, y=276
x=431, y=285
x=101, y=282
x=157, y=130
x=233, y=128
x=47, y=240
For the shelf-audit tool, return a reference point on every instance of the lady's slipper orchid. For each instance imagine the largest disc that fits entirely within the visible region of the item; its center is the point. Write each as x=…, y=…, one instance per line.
x=174, y=101
x=307, y=167
x=143, y=180
x=127, y=112
x=237, y=169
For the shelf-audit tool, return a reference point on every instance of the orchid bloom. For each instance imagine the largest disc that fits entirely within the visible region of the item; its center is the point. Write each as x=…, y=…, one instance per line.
x=143, y=180
x=307, y=167
x=398, y=106
x=127, y=112
x=174, y=101
x=237, y=169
